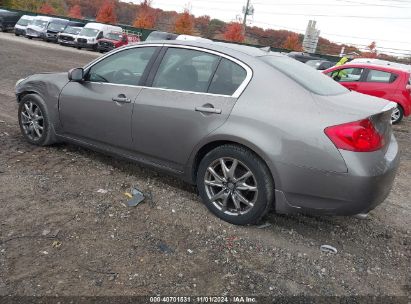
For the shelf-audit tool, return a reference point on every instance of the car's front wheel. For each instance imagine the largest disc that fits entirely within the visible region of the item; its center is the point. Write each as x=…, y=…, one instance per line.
x=235, y=184
x=34, y=121
x=397, y=115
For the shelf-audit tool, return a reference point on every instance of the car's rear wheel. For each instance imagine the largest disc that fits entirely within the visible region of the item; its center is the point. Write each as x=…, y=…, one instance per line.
x=34, y=121
x=397, y=115
x=235, y=184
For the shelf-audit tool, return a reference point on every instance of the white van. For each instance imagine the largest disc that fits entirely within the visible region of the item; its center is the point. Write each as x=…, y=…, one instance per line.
x=21, y=25
x=38, y=27
x=89, y=35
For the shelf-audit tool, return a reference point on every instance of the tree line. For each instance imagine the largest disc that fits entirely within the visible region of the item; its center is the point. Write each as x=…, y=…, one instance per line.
x=143, y=15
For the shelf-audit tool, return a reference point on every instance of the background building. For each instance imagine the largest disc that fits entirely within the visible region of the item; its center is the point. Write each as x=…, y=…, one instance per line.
x=311, y=37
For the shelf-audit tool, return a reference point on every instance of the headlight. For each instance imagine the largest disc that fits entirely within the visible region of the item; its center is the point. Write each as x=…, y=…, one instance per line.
x=20, y=81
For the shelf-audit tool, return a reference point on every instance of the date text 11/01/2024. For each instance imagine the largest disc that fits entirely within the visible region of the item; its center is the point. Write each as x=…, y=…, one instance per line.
x=205, y=299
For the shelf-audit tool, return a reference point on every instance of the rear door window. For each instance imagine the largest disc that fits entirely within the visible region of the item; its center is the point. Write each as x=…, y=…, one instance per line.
x=228, y=78
x=380, y=76
x=186, y=70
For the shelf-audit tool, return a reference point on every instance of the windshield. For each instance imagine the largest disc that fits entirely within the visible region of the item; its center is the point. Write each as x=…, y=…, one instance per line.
x=23, y=22
x=56, y=27
x=40, y=23
x=114, y=36
x=306, y=76
x=73, y=30
x=89, y=32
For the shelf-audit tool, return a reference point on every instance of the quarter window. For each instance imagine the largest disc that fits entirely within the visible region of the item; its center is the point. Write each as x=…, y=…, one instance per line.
x=125, y=67
x=186, y=70
x=347, y=75
x=228, y=77
x=380, y=76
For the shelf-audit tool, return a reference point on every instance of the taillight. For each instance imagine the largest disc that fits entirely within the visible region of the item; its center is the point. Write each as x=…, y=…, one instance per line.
x=358, y=136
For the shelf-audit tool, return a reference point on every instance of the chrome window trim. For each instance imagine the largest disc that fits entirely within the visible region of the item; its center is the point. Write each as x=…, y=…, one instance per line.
x=236, y=94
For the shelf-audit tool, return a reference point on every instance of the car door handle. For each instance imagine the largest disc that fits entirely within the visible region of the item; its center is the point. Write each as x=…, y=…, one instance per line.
x=121, y=99
x=208, y=110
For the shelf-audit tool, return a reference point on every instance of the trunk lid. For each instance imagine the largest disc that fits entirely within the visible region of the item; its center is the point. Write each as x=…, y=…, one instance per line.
x=353, y=106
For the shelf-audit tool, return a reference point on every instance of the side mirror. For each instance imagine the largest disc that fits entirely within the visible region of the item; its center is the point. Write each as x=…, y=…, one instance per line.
x=76, y=74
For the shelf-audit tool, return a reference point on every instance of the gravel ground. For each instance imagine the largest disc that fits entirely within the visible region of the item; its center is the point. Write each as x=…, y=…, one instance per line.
x=59, y=236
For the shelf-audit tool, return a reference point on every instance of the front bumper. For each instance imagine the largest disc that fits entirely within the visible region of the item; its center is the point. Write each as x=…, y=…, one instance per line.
x=66, y=42
x=103, y=48
x=21, y=32
x=91, y=46
x=366, y=185
x=50, y=37
x=34, y=34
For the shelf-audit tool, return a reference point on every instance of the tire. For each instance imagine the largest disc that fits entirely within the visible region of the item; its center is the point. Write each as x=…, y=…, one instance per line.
x=29, y=37
x=36, y=105
x=397, y=115
x=228, y=189
x=16, y=34
x=79, y=48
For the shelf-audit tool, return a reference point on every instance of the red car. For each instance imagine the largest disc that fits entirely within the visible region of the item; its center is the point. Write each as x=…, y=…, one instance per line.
x=385, y=82
x=115, y=40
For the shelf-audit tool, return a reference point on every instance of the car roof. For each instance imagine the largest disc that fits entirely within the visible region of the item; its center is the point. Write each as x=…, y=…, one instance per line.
x=374, y=67
x=29, y=17
x=223, y=47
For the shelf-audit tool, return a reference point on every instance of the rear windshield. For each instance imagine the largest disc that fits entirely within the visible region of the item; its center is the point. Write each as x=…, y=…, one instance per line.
x=23, y=22
x=311, y=79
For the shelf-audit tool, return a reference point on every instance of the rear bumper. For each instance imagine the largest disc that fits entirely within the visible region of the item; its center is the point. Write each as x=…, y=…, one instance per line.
x=366, y=185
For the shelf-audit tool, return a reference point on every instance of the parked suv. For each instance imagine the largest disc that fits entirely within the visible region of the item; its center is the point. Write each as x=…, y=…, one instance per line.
x=57, y=26
x=115, y=40
x=8, y=20
x=38, y=27
x=21, y=25
x=385, y=82
x=69, y=35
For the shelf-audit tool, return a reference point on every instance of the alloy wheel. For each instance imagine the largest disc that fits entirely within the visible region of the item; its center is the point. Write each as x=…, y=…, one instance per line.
x=32, y=120
x=231, y=186
x=396, y=115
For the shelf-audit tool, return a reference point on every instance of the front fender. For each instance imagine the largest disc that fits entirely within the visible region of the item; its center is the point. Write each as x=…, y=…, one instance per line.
x=48, y=87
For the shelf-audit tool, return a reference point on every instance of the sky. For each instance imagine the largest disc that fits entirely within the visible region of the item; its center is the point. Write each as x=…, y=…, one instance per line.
x=359, y=22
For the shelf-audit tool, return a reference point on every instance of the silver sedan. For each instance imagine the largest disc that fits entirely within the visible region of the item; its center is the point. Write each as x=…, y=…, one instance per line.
x=254, y=130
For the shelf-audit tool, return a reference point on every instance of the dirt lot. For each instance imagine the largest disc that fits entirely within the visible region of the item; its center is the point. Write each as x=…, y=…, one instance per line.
x=170, y=244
